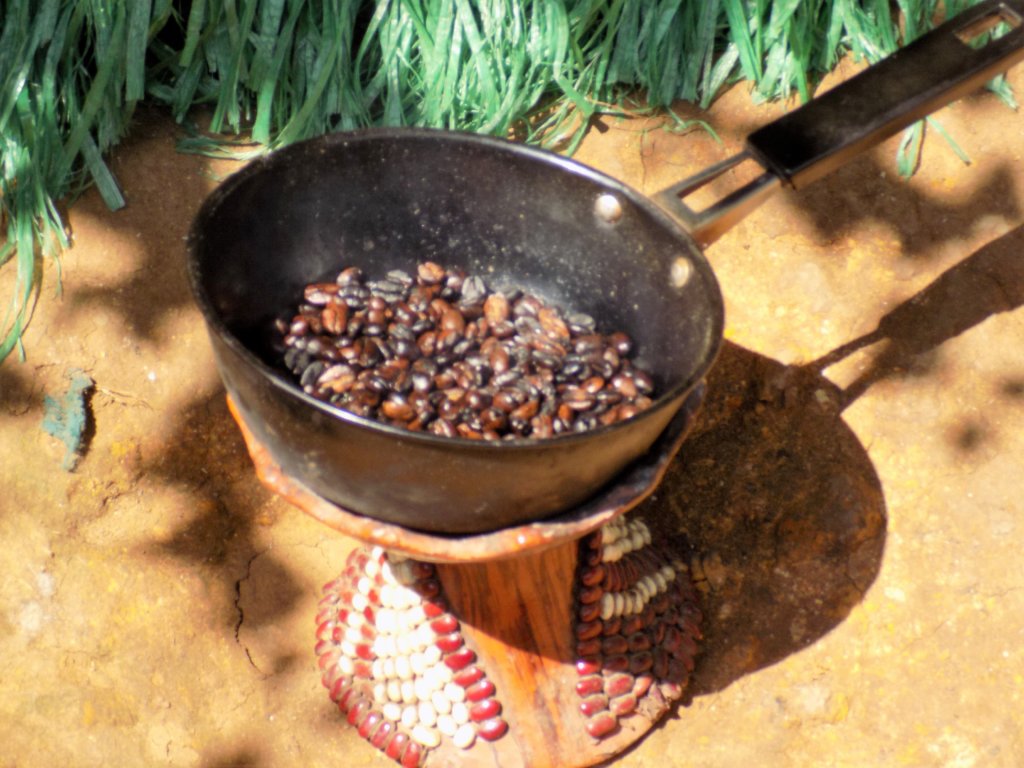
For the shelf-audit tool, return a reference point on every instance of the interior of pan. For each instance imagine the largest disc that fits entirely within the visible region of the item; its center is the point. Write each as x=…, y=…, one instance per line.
x=390, y=199
x=384, y=199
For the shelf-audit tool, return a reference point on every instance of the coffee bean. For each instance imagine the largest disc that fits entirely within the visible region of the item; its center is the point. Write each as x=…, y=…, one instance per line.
x=440, y=351
x=430, y=273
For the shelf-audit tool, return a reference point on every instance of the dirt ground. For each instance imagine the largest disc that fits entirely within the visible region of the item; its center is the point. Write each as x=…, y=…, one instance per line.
x=854, y=487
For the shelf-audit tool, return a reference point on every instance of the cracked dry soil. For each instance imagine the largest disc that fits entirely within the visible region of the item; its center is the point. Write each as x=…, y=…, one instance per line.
x=852, y=488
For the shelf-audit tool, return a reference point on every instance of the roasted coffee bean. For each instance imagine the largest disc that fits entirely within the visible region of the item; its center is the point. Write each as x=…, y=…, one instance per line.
x=334, y=318
x=311, y=374
x=474, y=291
x=496, y=308
x=397, y=407
x=440, y=351
x=350, y=275
x=430, y=273
x=621, y=343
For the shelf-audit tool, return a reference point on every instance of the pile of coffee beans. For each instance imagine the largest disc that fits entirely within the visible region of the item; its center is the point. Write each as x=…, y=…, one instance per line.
x=442, y=352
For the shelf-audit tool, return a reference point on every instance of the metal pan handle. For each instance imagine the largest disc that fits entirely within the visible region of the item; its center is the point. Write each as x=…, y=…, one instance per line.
x=815, y=139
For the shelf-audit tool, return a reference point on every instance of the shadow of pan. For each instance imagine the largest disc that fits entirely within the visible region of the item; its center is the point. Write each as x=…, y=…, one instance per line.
x=783, y=507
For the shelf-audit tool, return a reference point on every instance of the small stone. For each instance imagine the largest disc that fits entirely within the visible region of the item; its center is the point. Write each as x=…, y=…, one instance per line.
x=427, y=713
x=618, y=684
x=439, y=676
x=328, y=659
x=619, y=606
x=591, y=705
x=415, y=615
x=363, y=652
x=660, y=666
x=480, y=690
x=614, y=645
x=642, y=685
x=421, y=569
x=358, y=710
x=484, y=710
x=441, y=703
x=592, y=611
x=392, y=711
x=590, y=594
x=404, y=644
x=618, y=663
x=589, y=685
x=446, y=725
x=413, y=754
x=591, y=576
x=623, y=705
x=380, y=738
x=671, y=691
x=396, y=747
x=454, y=692
x=408, y=692
x=601, y=725
x=610, y=553
x=432, y=609
x=610, y=534
x=640, y=662
x=639, y=641
x=460, y=659
x=589, y=647
x=633, y=624
x=418, y=663
x=348, y=696
x=673, y=641
x=460, y=712
x=341, y=686
x=424, y=691
x=444, y=624
x=636, y=540
x=589, y=630
x=449, y=643
x=427, y=736
x=403, y=669
x=428, y=589
x=464, y=736
x=468, y=676
x=369, y=724
x=492, y=729
x=422, y=637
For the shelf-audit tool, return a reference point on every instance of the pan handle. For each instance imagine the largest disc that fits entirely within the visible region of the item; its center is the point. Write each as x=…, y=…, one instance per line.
x=823, y=134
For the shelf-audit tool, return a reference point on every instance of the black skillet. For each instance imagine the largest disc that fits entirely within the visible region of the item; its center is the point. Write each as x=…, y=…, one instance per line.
x=386, y=199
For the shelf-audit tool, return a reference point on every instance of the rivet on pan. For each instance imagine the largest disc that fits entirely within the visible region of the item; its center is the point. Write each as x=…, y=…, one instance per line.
x=608, y=208
x=680, y=273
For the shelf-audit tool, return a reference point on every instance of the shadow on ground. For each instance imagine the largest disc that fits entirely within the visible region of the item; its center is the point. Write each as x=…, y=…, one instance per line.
x=783, y=508
x=989, y=281
x=207, y=459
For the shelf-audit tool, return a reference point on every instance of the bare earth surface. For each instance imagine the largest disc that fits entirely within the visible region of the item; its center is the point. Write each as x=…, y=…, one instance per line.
x=855, y=486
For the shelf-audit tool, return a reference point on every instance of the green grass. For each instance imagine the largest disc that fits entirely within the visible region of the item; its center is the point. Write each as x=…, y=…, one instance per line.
x=272, y=72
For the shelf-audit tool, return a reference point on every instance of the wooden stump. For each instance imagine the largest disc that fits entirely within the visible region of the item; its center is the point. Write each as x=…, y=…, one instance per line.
x=556, y=644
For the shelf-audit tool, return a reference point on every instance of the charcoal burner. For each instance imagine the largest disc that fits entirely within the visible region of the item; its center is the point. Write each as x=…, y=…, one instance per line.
x=556, y=643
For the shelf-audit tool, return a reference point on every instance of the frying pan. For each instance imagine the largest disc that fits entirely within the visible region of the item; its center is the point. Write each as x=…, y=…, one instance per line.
x=391, y=198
